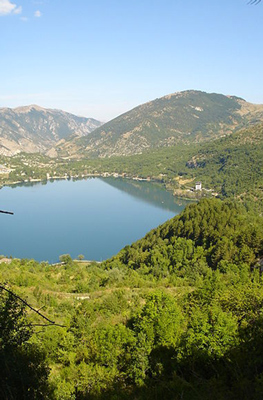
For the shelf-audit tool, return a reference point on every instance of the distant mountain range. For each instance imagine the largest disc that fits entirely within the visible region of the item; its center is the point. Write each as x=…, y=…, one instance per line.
x=184, y=117
x=35, y=129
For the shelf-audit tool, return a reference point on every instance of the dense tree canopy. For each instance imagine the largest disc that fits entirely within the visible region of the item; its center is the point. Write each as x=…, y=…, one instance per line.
x=23, y=369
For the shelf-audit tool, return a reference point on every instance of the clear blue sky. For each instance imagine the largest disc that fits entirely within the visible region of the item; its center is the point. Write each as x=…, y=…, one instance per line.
x=100, y=58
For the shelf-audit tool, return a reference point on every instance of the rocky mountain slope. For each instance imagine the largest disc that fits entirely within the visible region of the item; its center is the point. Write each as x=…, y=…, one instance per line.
x=184, y=117
x=35, y=129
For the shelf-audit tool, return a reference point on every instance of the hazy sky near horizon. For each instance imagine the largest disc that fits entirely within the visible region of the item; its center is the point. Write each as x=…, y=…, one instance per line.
x=101, y=58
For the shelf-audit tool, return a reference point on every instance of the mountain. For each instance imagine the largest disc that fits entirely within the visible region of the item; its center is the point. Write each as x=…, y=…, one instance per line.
x=35, y=129
x=183, y=117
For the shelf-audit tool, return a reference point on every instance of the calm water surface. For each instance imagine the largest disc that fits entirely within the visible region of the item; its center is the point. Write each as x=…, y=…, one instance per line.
x=94, y=217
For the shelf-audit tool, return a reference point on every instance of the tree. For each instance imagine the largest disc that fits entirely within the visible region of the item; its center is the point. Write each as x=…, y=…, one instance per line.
x=65, y=258
x=24, y=372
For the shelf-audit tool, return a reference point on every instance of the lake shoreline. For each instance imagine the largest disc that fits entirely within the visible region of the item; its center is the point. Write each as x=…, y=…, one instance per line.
x=96, y=217
x=184, y=196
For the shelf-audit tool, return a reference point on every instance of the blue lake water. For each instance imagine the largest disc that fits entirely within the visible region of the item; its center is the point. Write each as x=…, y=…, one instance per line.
x=94, y=217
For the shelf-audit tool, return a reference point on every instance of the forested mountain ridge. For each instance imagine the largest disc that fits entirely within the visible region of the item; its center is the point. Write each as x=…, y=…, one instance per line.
x=183, y=117
x=208, y=233
x=35, y=129
x=233, y=165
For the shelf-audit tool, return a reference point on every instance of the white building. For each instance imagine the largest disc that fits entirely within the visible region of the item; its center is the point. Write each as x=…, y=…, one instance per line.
x=198, y=186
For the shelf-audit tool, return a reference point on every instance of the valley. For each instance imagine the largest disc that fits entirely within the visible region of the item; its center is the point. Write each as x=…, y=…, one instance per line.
x=165, y=315
x=131, y=200
x=221, y=150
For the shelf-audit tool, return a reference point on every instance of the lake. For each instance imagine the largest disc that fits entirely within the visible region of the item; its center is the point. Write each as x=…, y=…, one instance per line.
x=95, y=217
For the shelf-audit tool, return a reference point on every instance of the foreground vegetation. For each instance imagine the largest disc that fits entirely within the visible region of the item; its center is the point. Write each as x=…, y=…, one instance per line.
x=177, y=315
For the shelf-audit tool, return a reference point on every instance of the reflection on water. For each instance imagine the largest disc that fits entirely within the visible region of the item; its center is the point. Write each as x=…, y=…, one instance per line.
x=95, y=217
x=148, y=192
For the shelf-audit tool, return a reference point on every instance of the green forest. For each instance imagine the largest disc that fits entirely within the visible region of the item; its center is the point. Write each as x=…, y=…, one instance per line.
x=176, y=315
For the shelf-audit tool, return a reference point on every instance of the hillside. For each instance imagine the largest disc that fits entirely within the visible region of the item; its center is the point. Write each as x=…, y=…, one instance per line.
x=232, y=165
x=176, y=315
x=211, y=231
x=34, y=129
x=184, y=117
